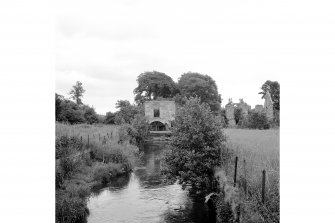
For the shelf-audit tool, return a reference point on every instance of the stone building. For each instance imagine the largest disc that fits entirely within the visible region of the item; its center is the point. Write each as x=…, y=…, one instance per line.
x=244, y=106
x=160, y=114
x=268, y=106
x=230, y=113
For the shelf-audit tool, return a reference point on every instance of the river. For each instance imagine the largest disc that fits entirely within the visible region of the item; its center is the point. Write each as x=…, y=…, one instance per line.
x=143, y=197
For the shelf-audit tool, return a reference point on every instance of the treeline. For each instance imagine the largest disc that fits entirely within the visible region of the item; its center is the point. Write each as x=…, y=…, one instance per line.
x=156, y=85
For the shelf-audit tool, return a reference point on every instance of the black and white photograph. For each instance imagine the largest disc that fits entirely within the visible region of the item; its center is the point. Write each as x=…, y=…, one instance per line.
x=167, y=111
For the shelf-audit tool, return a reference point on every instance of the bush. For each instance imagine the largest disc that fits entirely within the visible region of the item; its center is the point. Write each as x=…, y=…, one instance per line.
x=103, y=172
x=70, y=208
x=238, y=115
x=196, y=145
x=141, y=132
x=90, y=115
x=66, y=145
x=257, y=120
x=127, y=133
x=110, y=118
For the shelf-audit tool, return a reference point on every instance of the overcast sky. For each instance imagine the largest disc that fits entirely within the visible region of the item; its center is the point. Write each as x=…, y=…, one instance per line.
x=107, y=44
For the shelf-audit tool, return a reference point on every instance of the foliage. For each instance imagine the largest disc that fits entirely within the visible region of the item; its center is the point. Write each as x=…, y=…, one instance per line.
x=110, y=118
x=70, y=112
x=70, y=208
x=238, y=115
x=142, y=127
x=126, y=133
x=257, y=120
x=223, y=118
x=203, y=86
x=152, y=85
x=77, y=92
x=196, y=145
x=103, y=172
x=126, y=112
x=90, y=115
x=274, y=89
x=77, y=173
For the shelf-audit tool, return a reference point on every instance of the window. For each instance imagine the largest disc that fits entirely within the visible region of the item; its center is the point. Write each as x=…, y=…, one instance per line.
x=156, y=113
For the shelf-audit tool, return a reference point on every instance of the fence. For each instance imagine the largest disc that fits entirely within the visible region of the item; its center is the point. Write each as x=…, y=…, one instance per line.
x=243, y=183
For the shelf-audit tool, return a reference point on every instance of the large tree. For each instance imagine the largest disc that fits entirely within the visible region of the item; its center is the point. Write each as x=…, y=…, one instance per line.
x=77, y=92
x=126, y=112
x=274, y=89
x=203, y=86
x=152, y=85
x=196, y=144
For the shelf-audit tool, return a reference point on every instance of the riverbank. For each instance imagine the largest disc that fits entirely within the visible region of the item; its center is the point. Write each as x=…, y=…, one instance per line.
x=82, y=165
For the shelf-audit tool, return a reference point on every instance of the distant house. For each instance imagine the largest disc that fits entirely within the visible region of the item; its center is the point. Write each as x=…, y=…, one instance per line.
x=160, y=114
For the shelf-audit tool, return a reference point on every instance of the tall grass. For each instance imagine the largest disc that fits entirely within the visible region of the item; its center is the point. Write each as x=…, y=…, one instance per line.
x=83, y=130
x=260, y=150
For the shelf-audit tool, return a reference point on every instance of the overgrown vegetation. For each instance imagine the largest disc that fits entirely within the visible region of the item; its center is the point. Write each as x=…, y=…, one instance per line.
x=196, y=146
x=81, y=166
x=260, y=150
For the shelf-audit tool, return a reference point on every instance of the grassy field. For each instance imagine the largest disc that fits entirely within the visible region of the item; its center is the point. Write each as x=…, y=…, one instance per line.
x=84, y=130
x=260, y=150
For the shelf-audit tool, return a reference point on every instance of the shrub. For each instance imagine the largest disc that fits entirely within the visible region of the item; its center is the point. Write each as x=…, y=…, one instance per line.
x=127, y=133
x=257, y=120
x=110, y=118
x=141, y=132
x=90, y=115
x=196, y=145
x=103, y=173
x=66, y=145
x=70, y=208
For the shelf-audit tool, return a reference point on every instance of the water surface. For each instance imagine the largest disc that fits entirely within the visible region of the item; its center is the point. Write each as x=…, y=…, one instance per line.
x=144, y=197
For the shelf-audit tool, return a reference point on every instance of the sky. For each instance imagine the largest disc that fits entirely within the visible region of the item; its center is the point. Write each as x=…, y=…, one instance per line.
x=107, y=44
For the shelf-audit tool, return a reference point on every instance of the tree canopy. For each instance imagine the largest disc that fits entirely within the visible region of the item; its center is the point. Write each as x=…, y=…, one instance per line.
x=77, y=92
x=203, y=86
x=196, y=144
x=154, y=84
x=274, y=89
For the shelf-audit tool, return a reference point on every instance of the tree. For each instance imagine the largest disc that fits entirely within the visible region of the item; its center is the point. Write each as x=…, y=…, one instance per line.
x=196, y=144
x=152, y=85
x=126, y=112
x=90, y=115
x=110, y=118
x=203, y=86
x=257, y=120
x=238, y=115
x=274, y=89
x=77, y=92
x=122, y=104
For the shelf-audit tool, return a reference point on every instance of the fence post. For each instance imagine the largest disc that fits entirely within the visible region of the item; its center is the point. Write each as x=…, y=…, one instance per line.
x=263, y=186
x=81, y=138
x=245, y=176
x=235, y=174
x=111, y=134
x=88, y=140
x=99, y=137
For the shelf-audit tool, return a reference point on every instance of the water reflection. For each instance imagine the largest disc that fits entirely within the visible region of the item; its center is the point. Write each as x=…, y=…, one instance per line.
x=144, y=197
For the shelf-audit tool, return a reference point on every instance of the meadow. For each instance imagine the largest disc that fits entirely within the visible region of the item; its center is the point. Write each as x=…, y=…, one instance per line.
x=260, y=150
